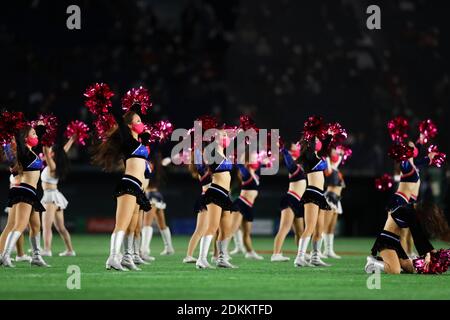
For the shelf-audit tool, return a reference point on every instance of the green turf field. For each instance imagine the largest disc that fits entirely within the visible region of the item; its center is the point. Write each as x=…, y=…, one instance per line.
x=168, y=278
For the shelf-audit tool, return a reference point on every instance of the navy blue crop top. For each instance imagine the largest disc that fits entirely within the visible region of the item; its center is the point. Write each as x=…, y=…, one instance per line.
x=296, y=172
x=249, y=181
x=334, y=179
x=204, y=175
x=26, y=157
x=131, y=148
x=313, y=162
x=409, y=172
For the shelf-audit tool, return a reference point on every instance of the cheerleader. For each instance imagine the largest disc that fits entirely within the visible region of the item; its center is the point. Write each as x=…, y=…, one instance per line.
x=14, y=180
x=218, y=204
x=23, y=198
x=291, y=207
x=53, y=200
x=242, y=209
x=123, y=142
x=203, y=174
x=313, y=199
x=335, y=183
x=403, y=214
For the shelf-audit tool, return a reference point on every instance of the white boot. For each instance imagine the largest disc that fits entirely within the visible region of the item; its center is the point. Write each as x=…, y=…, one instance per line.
x=373, y=265
x=167, y=239
x=202, y=261
x=113, y=261
x=316, y=261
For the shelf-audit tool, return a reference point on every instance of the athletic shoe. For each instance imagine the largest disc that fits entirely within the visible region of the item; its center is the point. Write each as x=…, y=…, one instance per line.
x=214, y=260
x=189, y=259
x=167, y=251
x=278, y=257
x=307, y=256
x=45, y=253
x=373, y=265
x=237, y=250
x=127, y=262
x=224, y=263
x=253, y=255
x=322, y=256
x=302, y=262
x=203, y=264
x=6, y=262
x=37, y=260
x=147, y=257
x=113, y=263
x=67, y=254
x=138, y=260
x=24, y=258
x=316, y=261
x=331, y=254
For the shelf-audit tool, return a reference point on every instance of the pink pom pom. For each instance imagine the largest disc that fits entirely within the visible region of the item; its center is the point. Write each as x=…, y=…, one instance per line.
x=398, y=129
x=439, y=263
x=78, y=129
x=384, y=183
x=208, y=122
x=10, y=124
x=400, y=151
x=314, y=127
x=103, y=124
x=345, y=151
x=139, y=96
x=160, y=131
x=338, y=132
x=50, y=122
x=98, y=98
x=428, y=128
x=439, y=157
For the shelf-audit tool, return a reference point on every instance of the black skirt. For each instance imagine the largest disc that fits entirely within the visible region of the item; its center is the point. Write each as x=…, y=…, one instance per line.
x=316, y=196
x=332, y=199
x=291, y=201
x=24, y=193
x=132, y=186
x=219, y=196
x=199, y=205
x=388, y=240
x=241, y=206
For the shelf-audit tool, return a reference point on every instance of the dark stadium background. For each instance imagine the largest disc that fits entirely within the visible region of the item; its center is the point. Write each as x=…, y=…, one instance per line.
x=278, y=61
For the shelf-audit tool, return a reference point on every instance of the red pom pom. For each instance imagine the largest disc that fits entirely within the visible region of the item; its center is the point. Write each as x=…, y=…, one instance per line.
x=401, y=151
x=384, y=183
x=160, y=131
x=79, y=129
x=338, y=132
x=314, y=127
x=98, y=98
x=208, y=122
x=10, y=124
x=439, y=157
x=51, y=128
x=345, y=151
x=428, y=128
x=398, y=129
x=103, y=124
x=247, y=123
x=139, y=96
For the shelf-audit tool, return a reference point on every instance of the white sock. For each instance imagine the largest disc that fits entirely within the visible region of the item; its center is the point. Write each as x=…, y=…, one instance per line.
x=316, y=244
x=331, y=237
x=147, y=234
x=10, y=243
x=116, y=242
x=205, y=242
x=239, y=240
x=129, y=244
x=34, y=242
x=302, y=246
x=222, y=246
x=326, y=243
x=136, y=245
x=167, y=237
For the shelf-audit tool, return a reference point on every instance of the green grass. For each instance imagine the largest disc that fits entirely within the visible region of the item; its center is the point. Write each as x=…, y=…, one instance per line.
x=168, y=278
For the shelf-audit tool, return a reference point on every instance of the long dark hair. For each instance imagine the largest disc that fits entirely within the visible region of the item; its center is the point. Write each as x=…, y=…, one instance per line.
x=433, y=221
x=20, y=137
x=61, y=161
x=108, y=154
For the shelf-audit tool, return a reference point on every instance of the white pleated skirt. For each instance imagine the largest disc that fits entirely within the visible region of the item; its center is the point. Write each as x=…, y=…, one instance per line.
x=55, y=197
